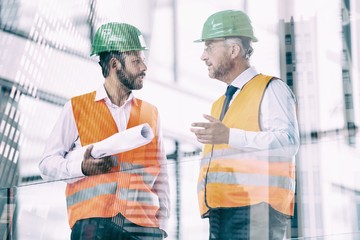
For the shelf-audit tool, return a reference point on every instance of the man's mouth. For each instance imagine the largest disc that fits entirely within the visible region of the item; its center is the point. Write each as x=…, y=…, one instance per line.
x=141, y=76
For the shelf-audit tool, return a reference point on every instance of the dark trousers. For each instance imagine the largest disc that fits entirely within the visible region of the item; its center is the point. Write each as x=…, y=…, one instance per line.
x=257, y=222
x=116, y=228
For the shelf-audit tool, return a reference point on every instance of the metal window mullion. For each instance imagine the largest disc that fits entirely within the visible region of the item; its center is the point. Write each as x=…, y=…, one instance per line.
x=5, y=162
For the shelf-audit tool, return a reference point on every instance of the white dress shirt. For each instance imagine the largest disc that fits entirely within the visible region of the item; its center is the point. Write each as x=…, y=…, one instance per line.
x=65, y=137
x=278, y=121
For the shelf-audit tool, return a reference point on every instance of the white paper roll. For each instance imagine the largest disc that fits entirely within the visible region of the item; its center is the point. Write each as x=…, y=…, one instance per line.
x=119, y=142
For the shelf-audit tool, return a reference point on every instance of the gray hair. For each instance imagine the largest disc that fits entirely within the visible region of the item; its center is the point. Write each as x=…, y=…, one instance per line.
x=243, y=42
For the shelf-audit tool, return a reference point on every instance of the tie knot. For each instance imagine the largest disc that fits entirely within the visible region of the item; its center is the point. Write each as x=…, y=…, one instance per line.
x=230, y=91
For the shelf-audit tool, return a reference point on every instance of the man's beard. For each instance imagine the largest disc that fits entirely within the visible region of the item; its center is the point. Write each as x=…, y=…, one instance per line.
x=222, y=70
x=129, y=80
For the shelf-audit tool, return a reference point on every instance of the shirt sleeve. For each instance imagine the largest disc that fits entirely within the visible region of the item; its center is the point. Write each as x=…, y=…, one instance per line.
x=278, y=123
x=54, y=165
x=161, y=185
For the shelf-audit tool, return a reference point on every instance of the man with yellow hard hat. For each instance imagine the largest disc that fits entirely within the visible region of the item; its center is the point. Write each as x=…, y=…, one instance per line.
x=246, y=183
x=125, y=195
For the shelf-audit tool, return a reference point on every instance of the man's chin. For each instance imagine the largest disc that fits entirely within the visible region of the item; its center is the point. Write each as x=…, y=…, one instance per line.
x=137, y=87
x=211, y=75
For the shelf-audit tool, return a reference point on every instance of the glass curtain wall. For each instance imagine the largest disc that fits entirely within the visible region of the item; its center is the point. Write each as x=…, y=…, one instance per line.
x=44, y=61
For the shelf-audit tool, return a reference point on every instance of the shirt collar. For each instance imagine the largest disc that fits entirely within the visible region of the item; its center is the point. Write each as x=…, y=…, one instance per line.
x=244, y=77
x=102, y=95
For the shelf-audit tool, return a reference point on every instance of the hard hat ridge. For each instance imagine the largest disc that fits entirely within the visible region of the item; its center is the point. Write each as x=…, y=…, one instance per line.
x=227, y=23
x=115, y=36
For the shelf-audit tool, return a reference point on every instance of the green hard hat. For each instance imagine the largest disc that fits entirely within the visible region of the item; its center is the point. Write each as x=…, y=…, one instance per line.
x=120, y=37
x=228, y=23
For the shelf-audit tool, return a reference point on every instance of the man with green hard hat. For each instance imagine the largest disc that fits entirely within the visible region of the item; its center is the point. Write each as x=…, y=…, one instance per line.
x=122, y=193
x=246, y=183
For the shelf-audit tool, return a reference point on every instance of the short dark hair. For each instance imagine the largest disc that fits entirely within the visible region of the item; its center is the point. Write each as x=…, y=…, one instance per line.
x=105, y=58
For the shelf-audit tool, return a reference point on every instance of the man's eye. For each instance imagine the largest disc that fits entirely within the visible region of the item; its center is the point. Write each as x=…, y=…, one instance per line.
x=208, y=48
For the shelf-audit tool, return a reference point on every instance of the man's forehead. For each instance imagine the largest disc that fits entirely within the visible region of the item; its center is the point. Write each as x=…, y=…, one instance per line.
x=136, y=54
x=213, y=41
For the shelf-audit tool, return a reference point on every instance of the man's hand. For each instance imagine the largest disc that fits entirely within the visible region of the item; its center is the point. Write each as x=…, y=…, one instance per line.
x=91, y=166
x=212, y=132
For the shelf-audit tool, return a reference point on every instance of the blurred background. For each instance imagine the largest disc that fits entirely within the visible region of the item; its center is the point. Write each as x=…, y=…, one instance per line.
x=313, y=45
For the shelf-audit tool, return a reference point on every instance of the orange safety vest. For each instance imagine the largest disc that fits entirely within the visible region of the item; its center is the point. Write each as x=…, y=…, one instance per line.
x=128, y=189
x=231, y=178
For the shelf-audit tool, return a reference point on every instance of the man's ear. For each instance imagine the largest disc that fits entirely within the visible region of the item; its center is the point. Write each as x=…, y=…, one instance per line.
x=235, y=50
x=114, y=63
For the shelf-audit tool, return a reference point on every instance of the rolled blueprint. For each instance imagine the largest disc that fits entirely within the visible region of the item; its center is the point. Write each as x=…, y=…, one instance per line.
x=119, y=142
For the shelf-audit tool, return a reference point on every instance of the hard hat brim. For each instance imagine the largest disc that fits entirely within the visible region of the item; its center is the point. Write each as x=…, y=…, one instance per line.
x=128, y=50
x=199, y=40
x=253, y=39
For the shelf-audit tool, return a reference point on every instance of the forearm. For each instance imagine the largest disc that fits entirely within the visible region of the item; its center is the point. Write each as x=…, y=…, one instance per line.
x=161, y=184
x=281, y=142
x=58, y=168
x=162, y=189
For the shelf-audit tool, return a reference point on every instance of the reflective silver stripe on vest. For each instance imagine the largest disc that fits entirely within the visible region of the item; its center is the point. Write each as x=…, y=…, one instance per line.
x=273, y=155
x=204, y=161
x=88, y=193
x=135, y=195
x=148, y=178
x=248, y=180
x=200, y=185
x=127, y=166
